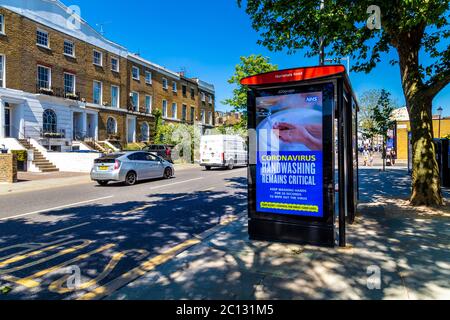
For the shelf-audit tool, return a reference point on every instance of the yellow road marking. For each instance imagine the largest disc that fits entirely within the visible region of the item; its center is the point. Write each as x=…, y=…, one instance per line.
x=25, y=256
x=57, y=286
x=136, y=209
x=84, y=243
x=29, y=281
x=131, y=275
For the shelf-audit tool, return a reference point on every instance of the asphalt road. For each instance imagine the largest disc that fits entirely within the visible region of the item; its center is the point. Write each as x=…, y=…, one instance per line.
x=85, y=241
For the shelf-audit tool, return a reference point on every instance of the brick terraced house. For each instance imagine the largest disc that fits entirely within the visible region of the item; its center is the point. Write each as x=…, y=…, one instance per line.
x=64, y=87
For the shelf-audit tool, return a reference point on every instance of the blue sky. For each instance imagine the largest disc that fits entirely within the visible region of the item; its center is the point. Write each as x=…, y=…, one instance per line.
x=207, y=37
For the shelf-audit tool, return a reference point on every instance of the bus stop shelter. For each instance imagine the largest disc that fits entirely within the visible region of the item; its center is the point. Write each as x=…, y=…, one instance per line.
x=303, y=159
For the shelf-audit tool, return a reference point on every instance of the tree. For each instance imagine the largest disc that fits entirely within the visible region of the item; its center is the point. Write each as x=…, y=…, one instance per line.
x=382, y=119
x=408, y=27
x=249, y=66
x=157, y=114
x=368, y=102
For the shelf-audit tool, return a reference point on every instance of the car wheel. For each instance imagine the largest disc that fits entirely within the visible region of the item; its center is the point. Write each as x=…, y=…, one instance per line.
x=208, y=168
x=131, y=178
x=102, y=182
x=230, y=165
x=167, y=173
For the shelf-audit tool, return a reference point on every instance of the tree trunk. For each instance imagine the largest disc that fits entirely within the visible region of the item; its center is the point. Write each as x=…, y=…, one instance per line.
x=426, y=186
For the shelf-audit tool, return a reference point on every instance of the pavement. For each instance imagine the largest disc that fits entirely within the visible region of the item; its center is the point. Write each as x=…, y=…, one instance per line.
x=394, y=252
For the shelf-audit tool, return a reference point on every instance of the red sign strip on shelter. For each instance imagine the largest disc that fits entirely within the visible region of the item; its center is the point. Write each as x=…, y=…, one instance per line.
x=292, y=75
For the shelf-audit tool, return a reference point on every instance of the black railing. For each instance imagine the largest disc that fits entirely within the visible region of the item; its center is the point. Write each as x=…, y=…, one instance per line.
x=57, y=92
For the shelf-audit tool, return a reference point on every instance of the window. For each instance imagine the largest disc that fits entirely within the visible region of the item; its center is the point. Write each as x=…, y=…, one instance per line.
x=115, y=64
x=135, y=73
x=210, y=118
x=135, y=100
x=184, y=90
x=97, y=92
x=164, y=108
x=69, y=83
x=202, y=114
x=148, y=104
x=203, y=96
x=2, y=71
x=192, y=114
x=49, y=121
x=210, y=99
x=44, y=77
x=69, y=48
x=145, y=132
x=148, y=77
x=174, y=110
x=111, y=126
x=115, y=96
x=184, y=112
x=192, y=93
x=174, y=86
x=2, y=24
x=164, y=83
x=98, y=58
x=42, y=38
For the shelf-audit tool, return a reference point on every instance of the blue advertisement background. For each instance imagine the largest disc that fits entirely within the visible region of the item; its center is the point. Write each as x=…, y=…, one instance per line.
x=314, y=194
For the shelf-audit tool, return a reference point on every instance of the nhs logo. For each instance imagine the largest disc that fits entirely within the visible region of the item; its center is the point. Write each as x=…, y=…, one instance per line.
x=312, y=99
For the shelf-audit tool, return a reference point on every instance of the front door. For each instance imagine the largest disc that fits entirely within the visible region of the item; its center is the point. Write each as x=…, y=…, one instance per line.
x=131, y=130
x=7, y=122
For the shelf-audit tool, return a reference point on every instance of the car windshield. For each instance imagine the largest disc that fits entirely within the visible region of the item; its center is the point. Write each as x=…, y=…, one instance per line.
x=109, y=158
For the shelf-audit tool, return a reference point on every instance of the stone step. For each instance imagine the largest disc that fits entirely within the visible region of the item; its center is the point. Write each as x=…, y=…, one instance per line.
x=50, y=170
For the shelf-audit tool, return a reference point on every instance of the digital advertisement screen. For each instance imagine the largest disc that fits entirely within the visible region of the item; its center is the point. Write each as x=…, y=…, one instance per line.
x=289, y=168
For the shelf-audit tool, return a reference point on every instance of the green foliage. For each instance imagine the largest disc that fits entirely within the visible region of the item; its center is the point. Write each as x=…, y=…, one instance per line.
x=296, y=25
x=249, y=66
x=367, y=117
x=382, y=115
x=182, y=136
x=158, y=115
x=134, y=146
x=22, y=155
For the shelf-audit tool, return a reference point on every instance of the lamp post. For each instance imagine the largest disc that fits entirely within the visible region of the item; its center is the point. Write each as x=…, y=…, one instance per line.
x=439, y=110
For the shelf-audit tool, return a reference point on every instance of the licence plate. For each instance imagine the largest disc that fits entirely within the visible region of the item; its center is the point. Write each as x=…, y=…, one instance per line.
x=103, y=168
x=205, y=160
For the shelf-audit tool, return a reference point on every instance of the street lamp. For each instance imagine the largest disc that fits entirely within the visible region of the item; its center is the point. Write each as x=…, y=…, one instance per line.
x=439, y=110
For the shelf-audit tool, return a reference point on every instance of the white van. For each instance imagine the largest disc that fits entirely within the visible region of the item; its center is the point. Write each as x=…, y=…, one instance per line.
x=222, y=151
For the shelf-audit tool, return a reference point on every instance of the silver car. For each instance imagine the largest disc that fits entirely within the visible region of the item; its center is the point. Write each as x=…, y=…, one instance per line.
x=129, y=167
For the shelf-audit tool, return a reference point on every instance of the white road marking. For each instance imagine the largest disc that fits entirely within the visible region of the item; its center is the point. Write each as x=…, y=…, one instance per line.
x=172, y=184
x=54, y=208
x=65, y=229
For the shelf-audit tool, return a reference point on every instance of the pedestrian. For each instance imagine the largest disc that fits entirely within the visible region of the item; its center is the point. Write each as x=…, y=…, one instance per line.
x=366, y=156
x=371, y=159
x=393, y=156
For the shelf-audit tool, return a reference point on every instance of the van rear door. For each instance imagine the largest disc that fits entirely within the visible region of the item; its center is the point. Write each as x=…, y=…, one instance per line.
x=211, y=150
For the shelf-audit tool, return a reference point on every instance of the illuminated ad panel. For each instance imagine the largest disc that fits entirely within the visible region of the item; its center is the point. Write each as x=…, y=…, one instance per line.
x=289, y=168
